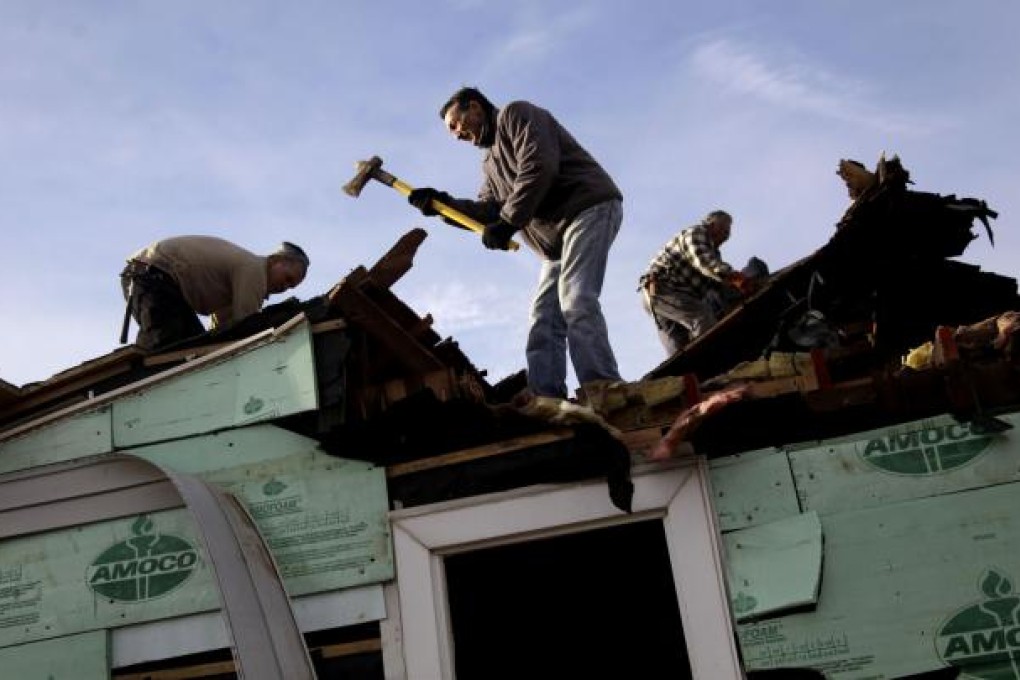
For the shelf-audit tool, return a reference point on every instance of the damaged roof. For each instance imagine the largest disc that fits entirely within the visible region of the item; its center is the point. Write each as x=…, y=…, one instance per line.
x=392, y=391
x=884, y=276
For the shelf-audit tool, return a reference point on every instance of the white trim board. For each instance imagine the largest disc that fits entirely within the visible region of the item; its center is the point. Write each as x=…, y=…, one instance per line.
x=157, y=640
x=679, y=496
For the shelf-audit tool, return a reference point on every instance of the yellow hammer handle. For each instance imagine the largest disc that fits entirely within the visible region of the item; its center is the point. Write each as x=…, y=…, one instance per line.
x=451, y=213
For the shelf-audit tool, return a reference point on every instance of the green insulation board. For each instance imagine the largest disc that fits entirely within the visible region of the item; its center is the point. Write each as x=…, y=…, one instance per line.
x=913, y=460
x=908, y=587
x=85, y=434
x=269, y=381
x=245, y=446
x=73, y=657
x=324, y=518
x=752, y=488
x=775, y=566
x=257, y=385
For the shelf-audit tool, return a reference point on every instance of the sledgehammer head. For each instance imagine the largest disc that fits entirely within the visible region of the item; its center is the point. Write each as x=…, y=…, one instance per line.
x=366, y=170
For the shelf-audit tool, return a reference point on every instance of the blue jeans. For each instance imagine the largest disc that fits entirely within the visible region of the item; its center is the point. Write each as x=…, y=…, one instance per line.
x=566, y=310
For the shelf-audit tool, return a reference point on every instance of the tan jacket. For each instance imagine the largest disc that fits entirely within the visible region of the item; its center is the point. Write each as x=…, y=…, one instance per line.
x=216, y=277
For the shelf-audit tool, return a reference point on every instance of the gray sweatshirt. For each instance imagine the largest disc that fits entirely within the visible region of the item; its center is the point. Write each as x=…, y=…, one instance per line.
x=538, y=177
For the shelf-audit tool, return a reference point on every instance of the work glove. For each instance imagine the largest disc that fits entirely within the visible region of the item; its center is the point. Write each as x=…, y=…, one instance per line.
x=497, y=235
x=744, y=285
x=422, y=200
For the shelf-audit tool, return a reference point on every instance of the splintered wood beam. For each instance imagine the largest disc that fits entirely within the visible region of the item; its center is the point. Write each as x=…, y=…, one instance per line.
x=420, y=328
x=68, y=391
x=8, y=389
x=398, y=260
x=70, y=385
x=349, y=648
x=843, y=395
x=641, y=441
x=387, y=303
x=423, y=326
x=363, y=312
x=479, y=452
x=358, y=276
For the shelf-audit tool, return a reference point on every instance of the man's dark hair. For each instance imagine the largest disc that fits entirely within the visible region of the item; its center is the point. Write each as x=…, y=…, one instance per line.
x=717, y=215
x=290, y=251
x=463, y=97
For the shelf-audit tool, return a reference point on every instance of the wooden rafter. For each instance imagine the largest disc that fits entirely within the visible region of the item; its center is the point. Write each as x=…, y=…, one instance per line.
x=350, y=298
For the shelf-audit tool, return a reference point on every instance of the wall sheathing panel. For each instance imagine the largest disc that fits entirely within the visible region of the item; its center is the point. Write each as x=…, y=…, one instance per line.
x=920, y=565
x=914, y=460
x=254, y=383
x=774, y=566
x=82, y=435
x=324, y=519
x=73, y=657
x=753, y=488
x=273, y=380
x=906, y=588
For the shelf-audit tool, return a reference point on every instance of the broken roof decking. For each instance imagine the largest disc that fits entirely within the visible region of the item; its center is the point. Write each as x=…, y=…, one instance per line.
x=391, y=391
x=885, y=272
x=8, y=392
x=374, y=360
x=395, y=344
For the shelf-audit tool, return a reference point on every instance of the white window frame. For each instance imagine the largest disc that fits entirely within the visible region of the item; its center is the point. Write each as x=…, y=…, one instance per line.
x=679, y=496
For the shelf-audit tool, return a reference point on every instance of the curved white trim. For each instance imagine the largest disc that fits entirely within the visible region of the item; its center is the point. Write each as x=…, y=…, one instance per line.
x=205, y=632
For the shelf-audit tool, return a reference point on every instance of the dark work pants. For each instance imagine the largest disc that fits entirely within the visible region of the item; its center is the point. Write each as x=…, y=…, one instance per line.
x=680, y=317
x=157, y=305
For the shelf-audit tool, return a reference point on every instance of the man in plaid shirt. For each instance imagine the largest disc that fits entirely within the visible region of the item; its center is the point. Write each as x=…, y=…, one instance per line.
x=686, y=284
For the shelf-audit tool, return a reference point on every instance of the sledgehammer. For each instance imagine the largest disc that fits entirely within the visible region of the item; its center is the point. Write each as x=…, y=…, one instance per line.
x=372, y=169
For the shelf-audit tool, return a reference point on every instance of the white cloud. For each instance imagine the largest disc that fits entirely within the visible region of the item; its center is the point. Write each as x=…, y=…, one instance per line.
x=460, y=306
x=795, y=84
x=540, y=35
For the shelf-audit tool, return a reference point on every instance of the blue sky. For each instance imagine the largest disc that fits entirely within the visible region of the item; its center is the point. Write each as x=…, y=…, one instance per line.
x=124, y=122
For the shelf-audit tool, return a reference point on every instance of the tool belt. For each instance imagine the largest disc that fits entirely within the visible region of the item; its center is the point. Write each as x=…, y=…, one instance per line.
x=136, y=269
x=144, y=273
x=646, y=286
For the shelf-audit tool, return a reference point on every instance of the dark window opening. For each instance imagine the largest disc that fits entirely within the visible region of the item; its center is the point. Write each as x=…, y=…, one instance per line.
x=595, y=604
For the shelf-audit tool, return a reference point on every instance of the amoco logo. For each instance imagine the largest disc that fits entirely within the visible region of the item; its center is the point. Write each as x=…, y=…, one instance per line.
x=144, y=566
x=983, y=640
x=923, y=452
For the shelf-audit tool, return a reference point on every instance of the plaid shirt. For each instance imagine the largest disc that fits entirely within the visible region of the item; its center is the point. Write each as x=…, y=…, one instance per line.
x=689, y=262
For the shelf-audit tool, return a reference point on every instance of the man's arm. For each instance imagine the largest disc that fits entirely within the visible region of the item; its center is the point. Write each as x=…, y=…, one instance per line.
x=484, y=210
x=668, y=258
x=424, y=199
x=537, y=154
x=250, y=292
